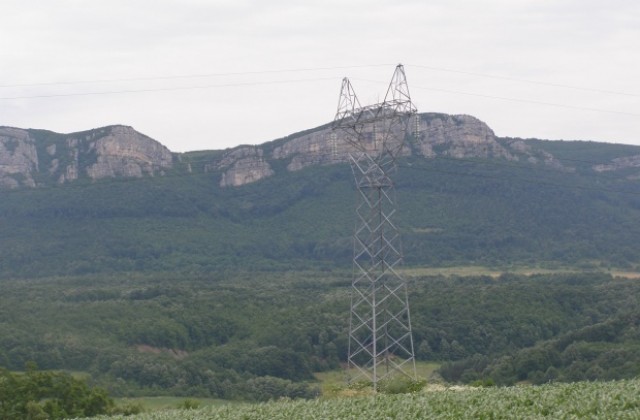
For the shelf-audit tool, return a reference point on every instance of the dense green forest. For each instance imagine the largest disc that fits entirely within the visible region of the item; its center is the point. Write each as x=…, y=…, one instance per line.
x=452, y=212
x=256, y=335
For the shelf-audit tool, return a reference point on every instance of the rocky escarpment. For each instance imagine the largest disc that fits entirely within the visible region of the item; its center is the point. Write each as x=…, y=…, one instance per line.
x=18, y=158
x=459, y=136
x=29, y=158
x=243, y=165
x=456, y=136
x=122, y=151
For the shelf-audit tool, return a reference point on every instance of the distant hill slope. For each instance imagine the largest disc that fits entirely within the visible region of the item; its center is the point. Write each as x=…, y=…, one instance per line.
x=112, y=199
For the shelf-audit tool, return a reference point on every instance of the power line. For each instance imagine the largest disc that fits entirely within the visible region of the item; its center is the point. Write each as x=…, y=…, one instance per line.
x=116, y=92
x=286, y=81
x=190, y=76
x=534, y=82
x=503, y=98
x=581, y=108
x=309, y=69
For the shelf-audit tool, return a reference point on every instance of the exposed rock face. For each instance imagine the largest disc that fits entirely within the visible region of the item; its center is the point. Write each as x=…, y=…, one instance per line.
x=245, y=165
x=455, y=136
x=459, y=136
x=321, y=147
x=531, y=155
x=325, y=147
x=619, y=164
x=125, y=152
x=70, y=171
x=437, y=134
x=18, y=158
x=27, y=155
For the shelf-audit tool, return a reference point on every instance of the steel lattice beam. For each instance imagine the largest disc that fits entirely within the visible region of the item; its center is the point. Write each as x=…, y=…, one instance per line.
x=380, y=338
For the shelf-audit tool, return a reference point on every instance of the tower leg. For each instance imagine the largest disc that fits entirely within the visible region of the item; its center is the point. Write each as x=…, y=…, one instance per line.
x=380, y=339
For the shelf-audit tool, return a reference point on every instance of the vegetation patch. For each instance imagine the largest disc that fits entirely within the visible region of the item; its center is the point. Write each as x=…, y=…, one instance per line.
x=594, y=400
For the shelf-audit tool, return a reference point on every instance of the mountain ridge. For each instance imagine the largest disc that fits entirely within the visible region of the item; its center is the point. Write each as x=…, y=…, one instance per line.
x=32, y=158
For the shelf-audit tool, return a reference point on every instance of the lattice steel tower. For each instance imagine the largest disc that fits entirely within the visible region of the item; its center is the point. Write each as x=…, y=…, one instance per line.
x=380, y=339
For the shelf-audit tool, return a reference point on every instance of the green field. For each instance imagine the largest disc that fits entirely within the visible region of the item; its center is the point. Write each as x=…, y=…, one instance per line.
x=593, y=400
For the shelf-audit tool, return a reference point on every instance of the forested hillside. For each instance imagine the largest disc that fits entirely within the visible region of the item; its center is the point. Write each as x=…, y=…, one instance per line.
x=466, y=197
x=452, y=211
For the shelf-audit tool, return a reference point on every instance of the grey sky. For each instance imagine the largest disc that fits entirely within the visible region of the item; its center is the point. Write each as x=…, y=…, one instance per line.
x=448, y=47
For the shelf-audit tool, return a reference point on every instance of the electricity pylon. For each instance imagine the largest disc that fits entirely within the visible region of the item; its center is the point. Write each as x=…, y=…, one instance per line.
x=380, y=338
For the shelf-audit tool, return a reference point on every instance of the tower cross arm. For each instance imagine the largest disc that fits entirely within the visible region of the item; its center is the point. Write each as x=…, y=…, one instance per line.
x=396, y=103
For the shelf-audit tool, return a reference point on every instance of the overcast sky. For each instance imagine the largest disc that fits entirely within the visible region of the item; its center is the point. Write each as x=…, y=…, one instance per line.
x=212, y=74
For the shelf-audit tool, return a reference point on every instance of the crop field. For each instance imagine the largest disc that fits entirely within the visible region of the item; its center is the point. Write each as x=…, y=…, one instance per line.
x=593, y=400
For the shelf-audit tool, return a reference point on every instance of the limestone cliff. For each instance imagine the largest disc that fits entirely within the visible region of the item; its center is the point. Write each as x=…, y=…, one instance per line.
x=122, y=151
x=455, y=136
x=31, y=158
x=241, y=166
x=18, y=158
x=459, y=136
